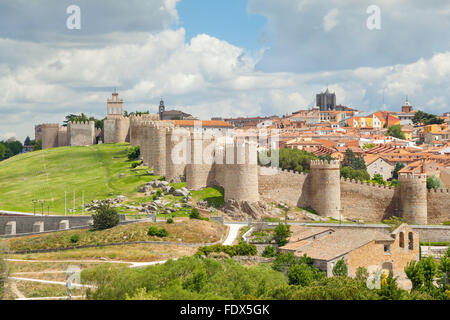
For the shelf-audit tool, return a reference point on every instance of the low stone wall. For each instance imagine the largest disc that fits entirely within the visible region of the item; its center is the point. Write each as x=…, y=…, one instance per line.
x=38, y=224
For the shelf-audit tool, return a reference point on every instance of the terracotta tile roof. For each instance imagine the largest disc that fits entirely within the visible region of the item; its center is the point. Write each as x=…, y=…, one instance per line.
x=338, y=243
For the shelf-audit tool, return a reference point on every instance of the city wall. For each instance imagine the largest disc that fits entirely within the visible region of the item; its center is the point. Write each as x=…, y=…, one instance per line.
x=81, y=133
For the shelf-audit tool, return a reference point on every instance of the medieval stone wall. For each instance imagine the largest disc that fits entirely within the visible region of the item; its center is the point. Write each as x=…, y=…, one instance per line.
x=49, y=135
x=286, y=186
x=81, y=133
x=109, y=129
x=364, y=201
x=63, y=138
x=438, y=206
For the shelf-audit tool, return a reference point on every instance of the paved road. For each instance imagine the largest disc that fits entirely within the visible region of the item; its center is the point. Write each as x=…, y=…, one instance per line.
x=232, y=234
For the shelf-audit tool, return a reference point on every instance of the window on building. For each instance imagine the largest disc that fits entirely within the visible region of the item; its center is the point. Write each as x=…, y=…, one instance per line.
x=387, y=248
x=402, y=240
x=410, y=241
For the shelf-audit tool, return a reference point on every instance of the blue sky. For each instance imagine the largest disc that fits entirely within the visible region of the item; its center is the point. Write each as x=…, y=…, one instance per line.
x=215, y=58
x=226, y=20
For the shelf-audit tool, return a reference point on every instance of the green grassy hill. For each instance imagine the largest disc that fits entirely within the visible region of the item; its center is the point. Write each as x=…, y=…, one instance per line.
x=47, y=174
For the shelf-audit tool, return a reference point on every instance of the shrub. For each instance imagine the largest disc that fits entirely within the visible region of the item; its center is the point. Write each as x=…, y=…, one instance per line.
x=300, y=275
x=393, y=222
x=282, y=233
x=105, y=218
x=389, y=289
x=194, y=214
x=284, y=261
x=242, y=249
x=362, y=274
x=135, y=164
x=158, y=232
x=169, y=221
x=340, y=269
x=75, y=238
x=414, y=272
x=134, y=153
x=269, y=252
x=434, y=182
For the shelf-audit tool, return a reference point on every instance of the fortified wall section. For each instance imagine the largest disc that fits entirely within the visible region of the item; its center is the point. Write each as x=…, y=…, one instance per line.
x=364, y=201
x=81, y=133
x=49, y=135
x=438, y=205
x=284, y=185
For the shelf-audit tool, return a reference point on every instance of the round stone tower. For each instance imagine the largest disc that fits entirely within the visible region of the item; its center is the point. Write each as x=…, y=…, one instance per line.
x=241, y=172
x=199, y=170
x=325, y=188
x=158, y=149
x=413, y=198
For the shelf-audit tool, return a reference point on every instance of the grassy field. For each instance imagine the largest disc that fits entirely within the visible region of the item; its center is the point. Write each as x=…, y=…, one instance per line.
x=47, y=174
x=183, y=230
x=126, y=253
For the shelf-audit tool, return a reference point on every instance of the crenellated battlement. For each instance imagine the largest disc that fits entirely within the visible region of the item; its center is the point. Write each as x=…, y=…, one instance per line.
x=324, y=164
x=438, y=190
x=81, y=123
x=50, y=125
x=412, y=176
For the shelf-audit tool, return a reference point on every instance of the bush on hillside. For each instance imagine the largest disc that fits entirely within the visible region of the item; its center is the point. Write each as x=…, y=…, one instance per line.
x=158, y=232
x=282, y=233
x=106, y=217
x=134, y=153
x=242, y=249
x=269, y=252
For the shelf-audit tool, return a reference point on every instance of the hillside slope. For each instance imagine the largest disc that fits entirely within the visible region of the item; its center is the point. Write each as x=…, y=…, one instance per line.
x=47, y=174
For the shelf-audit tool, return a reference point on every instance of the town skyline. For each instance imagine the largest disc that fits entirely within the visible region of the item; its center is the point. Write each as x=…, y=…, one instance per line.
x=204, y=65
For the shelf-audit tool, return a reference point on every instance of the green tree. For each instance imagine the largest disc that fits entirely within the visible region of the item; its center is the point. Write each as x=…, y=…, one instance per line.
x=340, y=269
x=350, y=173
x=362, y=274
x=106, y=217
x=398, y=166
x=269, y=252
x=429, y=267
x=353, y=161
x=282, y=233
x=426, y=118
x=134, y=153
x=300, y=275
x=434, y=182
x=37, y=145
x=395, y=131
x=444, y=272
x=414, y=272
x=389, y=289
x=378, y=178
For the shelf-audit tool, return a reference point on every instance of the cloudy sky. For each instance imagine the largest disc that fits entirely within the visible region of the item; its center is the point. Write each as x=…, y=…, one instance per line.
x=218, y=58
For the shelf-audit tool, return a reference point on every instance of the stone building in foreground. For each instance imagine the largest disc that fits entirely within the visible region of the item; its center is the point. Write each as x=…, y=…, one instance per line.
x=371, y=249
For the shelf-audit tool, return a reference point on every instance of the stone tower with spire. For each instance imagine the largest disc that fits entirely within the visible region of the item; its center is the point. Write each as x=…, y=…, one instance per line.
x=326, y=100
